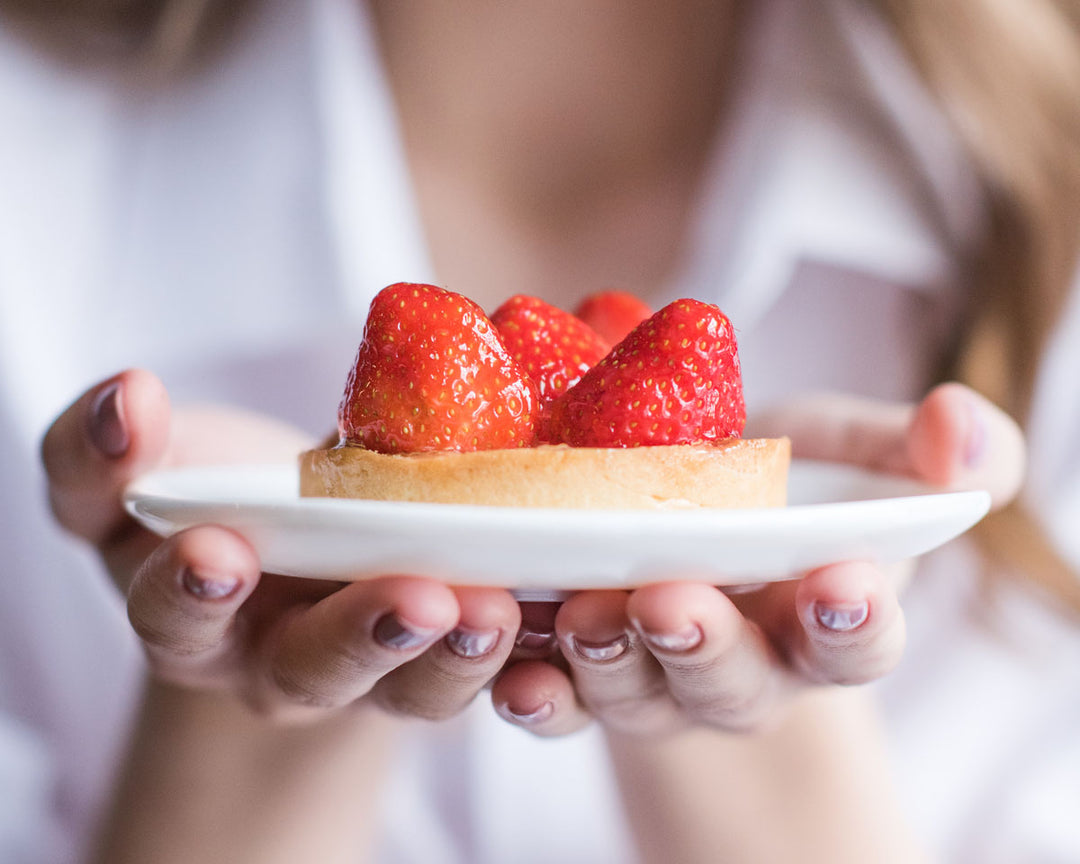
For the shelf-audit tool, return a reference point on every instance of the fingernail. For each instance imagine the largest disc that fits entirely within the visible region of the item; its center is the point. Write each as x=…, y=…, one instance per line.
x=975, y=448
x=532, y=640
x=841, y=618
x=684, y=640
x=745, y=588
x=530, y=718
x=392, y=633
x=204, y=587
x=471, y=643
x=106, y=427
x=600, y=652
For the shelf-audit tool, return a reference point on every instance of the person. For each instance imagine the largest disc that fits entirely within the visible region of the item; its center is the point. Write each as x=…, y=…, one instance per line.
x=880, y=195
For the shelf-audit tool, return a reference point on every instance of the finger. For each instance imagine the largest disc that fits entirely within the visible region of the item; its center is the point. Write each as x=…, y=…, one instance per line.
x=616, y=677
x=960, y=440
x=953, y=438
x=535, y=638
x=852, y=625
x=539, y=697
x=841, y=428
x=719, y=666
x=108, y=436
x=443, y=680
x=183, y=602
x=219, y=434
x=334, y=652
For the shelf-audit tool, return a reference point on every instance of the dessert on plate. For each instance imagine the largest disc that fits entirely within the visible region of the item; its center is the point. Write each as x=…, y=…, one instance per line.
x=533, y=407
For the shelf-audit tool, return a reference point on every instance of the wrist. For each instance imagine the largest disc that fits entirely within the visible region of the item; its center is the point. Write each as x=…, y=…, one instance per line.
x=822, y=770
x=208, y=778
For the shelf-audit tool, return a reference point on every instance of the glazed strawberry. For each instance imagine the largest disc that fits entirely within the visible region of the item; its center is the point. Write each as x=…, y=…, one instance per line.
x=674, y=380
x=432, y=374
x=612, y=314
x=553, y=347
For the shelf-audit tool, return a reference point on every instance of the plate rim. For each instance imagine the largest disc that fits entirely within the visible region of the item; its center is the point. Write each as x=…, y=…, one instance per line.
x=139, y=494
x=928, y=513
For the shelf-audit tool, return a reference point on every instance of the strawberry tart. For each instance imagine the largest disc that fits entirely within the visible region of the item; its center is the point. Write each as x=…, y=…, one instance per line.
x=533, y=407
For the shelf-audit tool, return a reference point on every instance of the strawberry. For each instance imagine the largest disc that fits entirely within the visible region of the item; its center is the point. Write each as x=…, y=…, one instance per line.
x=674, y=379
x=432, y=374
x=552, y=346
x=612, y=314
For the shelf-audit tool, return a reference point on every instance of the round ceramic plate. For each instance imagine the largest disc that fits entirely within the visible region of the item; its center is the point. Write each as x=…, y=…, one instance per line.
x=835, y=513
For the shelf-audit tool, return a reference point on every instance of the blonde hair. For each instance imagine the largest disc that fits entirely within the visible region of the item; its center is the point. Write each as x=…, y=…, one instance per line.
x=1007, y=73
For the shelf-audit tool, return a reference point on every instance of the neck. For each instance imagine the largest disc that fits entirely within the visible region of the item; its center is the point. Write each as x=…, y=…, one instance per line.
x=558, y=143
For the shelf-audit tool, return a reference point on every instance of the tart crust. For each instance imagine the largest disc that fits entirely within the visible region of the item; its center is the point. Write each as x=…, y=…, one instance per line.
x=735, y=473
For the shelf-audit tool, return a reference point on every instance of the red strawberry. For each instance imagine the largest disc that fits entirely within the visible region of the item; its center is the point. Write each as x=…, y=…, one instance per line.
x=432, y=374
x=674, y=380
x=553, y=347
x=612, y=314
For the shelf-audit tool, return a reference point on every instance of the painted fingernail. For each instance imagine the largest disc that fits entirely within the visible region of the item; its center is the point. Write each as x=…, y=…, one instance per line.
x=471, y=643
x=205, y=587
x=841, y=618
x=600, y=652
x=532, y=640
x=529, y=718
x=676, y=643
x=106, y=427
x=392, y=633
x=975, y=448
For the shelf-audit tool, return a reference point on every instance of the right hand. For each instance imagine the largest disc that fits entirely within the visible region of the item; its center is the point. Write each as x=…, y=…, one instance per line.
x=206, y=615
x=669, y=656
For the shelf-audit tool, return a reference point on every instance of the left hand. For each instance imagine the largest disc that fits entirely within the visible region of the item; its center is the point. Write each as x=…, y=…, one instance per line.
x=211, y=623
x=674, y=655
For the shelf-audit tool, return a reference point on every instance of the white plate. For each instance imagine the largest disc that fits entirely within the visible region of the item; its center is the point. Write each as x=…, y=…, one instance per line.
x=835, y=514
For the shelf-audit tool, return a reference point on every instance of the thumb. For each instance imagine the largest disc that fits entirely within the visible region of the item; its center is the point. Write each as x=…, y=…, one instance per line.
x=958, y=439
x=115, y=431
x=954, y=438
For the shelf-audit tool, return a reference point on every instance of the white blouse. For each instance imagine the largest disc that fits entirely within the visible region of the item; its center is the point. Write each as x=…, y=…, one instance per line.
x=229, y=235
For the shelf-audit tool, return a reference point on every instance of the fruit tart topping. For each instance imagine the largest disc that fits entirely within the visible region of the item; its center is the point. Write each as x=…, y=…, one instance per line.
x=675, y=379
x=553, y=347
x=612, y=314
x=431, y=373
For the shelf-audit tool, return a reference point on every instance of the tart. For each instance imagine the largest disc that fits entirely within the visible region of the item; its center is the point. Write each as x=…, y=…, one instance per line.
x=532, y=408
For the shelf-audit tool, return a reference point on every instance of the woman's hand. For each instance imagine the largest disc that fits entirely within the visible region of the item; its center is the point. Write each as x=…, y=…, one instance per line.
x=210, y=620
x=669, y=656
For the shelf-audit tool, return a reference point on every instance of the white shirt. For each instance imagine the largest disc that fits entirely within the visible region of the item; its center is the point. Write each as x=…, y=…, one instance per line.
x=229, y=234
